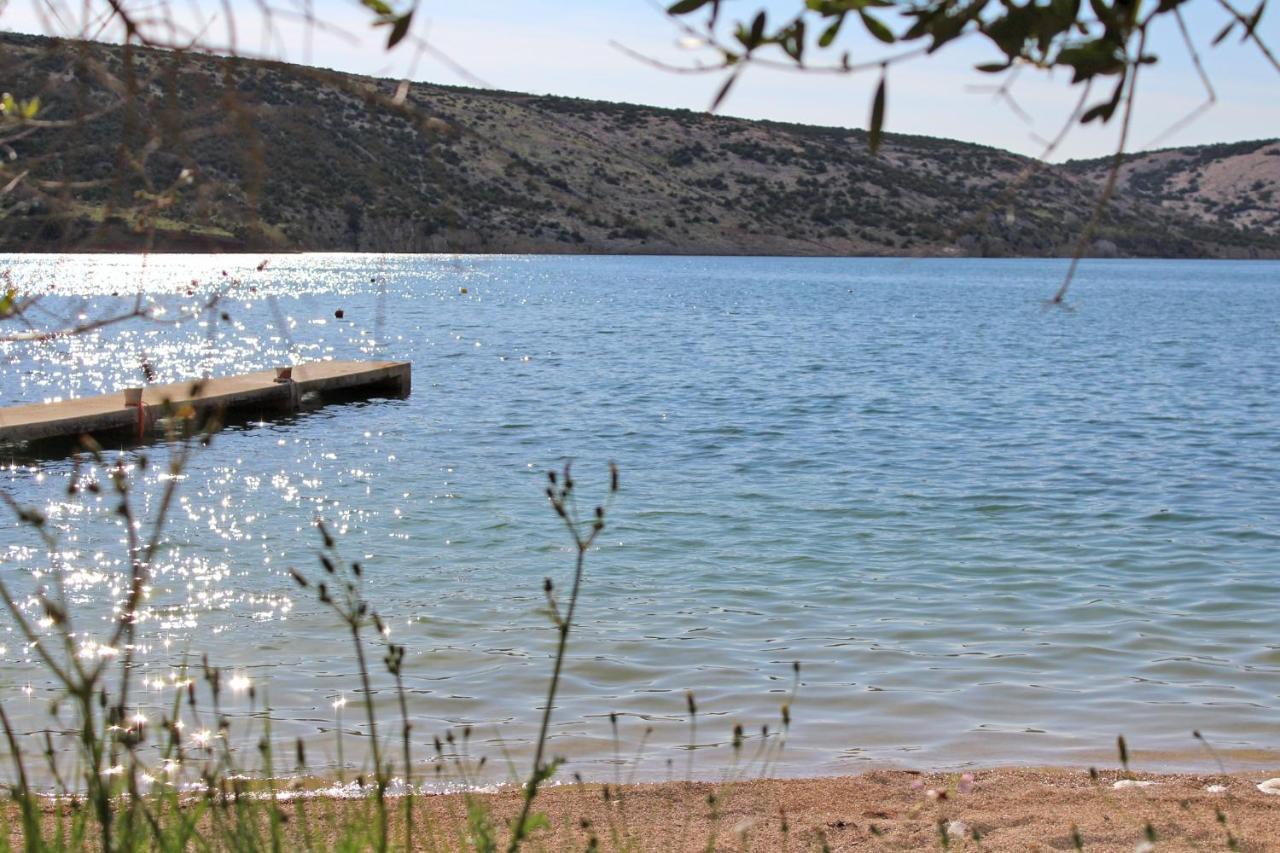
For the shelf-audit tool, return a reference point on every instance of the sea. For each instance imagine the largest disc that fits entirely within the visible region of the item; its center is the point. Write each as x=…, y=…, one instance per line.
x=876, y=512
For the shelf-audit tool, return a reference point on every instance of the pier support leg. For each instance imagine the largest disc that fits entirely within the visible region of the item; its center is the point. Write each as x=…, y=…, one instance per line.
x=404, y=381
x=291, y=399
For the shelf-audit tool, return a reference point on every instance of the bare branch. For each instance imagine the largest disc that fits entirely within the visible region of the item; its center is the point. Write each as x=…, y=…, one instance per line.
x=1082, y=242
x=80, y=329
x=1251, y=33
x=1204, y=80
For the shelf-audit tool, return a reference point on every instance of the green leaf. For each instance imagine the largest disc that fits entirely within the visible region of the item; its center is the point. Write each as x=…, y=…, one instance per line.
x=1088, y=59
x=1098, y=111
x=377, y=6
x=1226, y=31
x=877, y=28
x=684, y=7
x=400, y=29
x=793, y=41
x=993, y=67
x=877, y=116
x=724, y=91
x=829, y=34
x=1106, y=109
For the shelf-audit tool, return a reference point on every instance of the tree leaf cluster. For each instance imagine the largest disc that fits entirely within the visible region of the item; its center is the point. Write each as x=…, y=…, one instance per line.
x=1093, y=39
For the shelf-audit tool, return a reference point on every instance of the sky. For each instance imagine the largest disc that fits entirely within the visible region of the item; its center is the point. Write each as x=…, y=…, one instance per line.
x=574, y=48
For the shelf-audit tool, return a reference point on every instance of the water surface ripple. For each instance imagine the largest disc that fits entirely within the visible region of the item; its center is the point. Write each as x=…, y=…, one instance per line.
x=991, y=533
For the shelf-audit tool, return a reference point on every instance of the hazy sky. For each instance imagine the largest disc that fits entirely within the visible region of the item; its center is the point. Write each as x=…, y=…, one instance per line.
x=568, y=48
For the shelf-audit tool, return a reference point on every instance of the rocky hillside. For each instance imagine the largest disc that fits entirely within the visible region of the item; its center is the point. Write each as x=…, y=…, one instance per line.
x=141, y=148
x=1234, y=184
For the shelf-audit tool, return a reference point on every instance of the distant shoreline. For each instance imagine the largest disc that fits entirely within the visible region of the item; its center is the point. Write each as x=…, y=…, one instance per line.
x=319, y=164
x=580, y=253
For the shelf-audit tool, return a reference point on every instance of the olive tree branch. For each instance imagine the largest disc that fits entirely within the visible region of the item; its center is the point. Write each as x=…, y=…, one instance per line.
x=1113, y=175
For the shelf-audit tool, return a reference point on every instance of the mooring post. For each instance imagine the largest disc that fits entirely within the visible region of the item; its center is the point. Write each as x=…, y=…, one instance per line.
x=292, y=396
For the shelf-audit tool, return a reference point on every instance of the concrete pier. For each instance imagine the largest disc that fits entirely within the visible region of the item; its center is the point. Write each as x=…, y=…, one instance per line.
x=228, y=397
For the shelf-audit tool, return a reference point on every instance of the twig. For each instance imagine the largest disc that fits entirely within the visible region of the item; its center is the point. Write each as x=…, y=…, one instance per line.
x=1112, y=177
x=1204, y=80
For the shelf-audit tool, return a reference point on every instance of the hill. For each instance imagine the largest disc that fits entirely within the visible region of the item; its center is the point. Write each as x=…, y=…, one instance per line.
x=1233, y=184
x=137, y=148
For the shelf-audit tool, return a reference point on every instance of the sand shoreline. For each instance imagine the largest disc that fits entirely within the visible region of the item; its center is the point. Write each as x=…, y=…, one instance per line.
x=1022, y=809
x=1011, y=809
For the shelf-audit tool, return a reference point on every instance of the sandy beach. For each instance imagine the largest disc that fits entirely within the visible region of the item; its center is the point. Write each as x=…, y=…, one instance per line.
x=1012, y=809
x=1002, y=809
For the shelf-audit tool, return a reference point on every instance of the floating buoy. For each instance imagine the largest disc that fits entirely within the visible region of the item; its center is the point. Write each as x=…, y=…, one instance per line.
x=339, y=313
x=462, y=290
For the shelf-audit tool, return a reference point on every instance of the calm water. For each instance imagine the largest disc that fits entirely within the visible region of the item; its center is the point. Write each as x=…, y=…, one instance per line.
x=991, y=533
